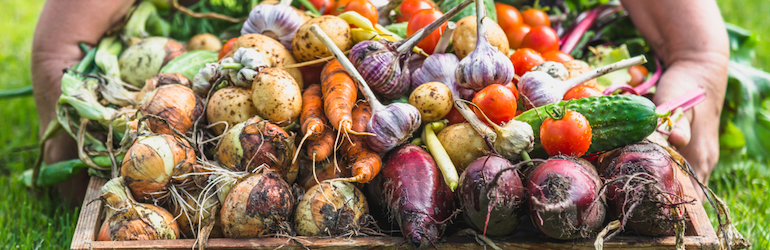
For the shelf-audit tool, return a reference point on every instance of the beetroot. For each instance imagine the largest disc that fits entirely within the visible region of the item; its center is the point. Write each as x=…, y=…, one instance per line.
x=415, y=194
x=642, y=190
x=564, y=199
x=491, y=194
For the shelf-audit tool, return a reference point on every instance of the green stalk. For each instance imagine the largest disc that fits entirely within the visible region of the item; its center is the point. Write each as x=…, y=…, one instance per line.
x=309, y=6
x=443, y=161
x=61, y=171
x=7, y=94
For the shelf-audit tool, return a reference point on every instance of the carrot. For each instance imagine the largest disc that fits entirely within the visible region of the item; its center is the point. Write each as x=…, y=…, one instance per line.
x=312, y=117
x=339, y=94
x=323, y=147
x=365, y=163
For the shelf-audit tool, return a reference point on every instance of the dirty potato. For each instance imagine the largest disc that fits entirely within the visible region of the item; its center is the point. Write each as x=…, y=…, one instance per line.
x=276, y=96
x=433, y=100
x=232, y=105
x=306, y=46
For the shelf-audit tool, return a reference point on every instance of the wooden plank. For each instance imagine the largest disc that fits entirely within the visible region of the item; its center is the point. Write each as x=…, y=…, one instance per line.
x=89, y=220
x=700, y=235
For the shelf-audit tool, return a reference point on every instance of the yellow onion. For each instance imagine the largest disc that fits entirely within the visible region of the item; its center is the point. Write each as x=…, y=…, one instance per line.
x=129, y=220
x=260, y=204
x=232, y=105
x=176, y=104
x=330, y=208
x=194, y=213
x=153, y=162
x=161, y=80
x=324, y=170
x=250, y=144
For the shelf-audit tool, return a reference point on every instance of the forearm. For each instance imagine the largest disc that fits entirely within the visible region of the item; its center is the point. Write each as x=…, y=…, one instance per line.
x=63, y=24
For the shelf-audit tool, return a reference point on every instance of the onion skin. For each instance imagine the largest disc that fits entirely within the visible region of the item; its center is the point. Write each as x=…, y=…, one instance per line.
x=653, y=216
x=564, y=201
x=330, y=209
x=411, y=187
x=163, y=79
x=257, y=206
x=255, y=142
x=152, y=162
x=189, y=221
x=393, y=125
x=492, y=181
x=178, y=105
x=230, y=104
x=143, y=222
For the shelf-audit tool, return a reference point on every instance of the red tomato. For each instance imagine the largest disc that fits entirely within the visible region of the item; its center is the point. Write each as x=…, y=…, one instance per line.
x=454, y=116
x=525, y=59
x=497, y=102
x=364, y=7
x=638, y=73
x=227, y=47
x=324, y=6
x=407, y=8
x=339, y=7
x=541, y=38
x=557, y=56
x=570, y=135
x=420, y=19
x=535, y=17
x=581, y=91
x=512, y=86
x=507, y=16
x=516, y=34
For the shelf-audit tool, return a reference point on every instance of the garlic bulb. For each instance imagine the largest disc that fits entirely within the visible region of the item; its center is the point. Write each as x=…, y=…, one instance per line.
x=555, y=69
x=485, y=65
x=279, y=22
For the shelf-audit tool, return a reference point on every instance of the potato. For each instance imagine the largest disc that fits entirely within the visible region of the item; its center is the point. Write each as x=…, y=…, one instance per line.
x=578, y=67
x=306, y=46
x=433, y=100
x=276, y=96
x=232, y=105
x=276, y=54
x=462, y=144
x=204, y=41
x=464, y=38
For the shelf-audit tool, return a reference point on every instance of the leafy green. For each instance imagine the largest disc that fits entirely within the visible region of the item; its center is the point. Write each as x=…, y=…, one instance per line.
x=605, y=55
x=398, y=28
x=189, y=63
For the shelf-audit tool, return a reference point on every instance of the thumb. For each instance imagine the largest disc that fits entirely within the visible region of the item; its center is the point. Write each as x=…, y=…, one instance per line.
x=680, y=135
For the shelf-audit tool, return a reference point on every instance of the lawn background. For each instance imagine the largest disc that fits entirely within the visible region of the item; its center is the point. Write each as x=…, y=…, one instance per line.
x=40, y=221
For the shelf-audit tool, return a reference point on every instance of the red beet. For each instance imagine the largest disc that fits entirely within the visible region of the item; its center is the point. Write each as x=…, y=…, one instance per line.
x=564, y=199
x=413, y=189
x=492, y=195
x=642, y=190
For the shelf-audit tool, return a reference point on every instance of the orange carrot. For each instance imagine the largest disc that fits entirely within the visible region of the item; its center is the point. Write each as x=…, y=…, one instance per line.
x=365, y=163
x=312, y=118
x=323, y=147
x=339, y=94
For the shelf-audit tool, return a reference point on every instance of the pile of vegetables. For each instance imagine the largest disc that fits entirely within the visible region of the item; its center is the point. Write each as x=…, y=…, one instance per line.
x=319, y=120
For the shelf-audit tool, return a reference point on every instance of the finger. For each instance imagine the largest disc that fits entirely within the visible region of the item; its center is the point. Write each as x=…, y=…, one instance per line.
x=680, y=135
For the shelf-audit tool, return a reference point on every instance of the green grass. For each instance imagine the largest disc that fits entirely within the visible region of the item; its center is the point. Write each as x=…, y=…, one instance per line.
x=39, y=221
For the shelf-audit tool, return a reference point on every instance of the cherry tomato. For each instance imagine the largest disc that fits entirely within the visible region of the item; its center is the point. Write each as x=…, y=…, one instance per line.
x=507, y=16
x=324, y=6
x=454, y=116
x=638, y=73
x=512, y=86
x=541, y=38
x=557, y=56
x=339, y=7
x=535, y=17
x=581, y=91
x=420, y=19
x=364, y=7
x=497, y=102
x=516, y=34
x=407, y=8
x=227, y=47
x=525, y=59
x=570, y=135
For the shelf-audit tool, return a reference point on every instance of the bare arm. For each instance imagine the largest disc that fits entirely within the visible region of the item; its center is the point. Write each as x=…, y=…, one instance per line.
x=690, y=38
x=62, y=25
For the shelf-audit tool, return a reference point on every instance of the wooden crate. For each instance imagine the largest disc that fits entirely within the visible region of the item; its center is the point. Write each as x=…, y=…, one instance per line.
x=699, y=235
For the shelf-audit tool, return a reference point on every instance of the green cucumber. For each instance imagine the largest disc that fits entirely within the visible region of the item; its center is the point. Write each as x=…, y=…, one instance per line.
x=616, y=120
